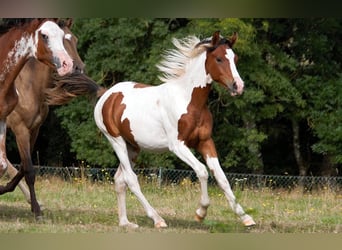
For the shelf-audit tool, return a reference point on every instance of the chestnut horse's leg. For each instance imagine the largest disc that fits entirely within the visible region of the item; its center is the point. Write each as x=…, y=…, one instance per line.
x=208, y=151
x=3, y=158
x=24, y=146
x=12, y=171
x=10, y=186
x=126, y=176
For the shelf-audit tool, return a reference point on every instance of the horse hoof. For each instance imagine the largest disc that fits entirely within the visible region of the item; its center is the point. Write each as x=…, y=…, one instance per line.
x=248, y=221
x=198, y=218
x=129, y=225
x=160, y=224
x=39, y=218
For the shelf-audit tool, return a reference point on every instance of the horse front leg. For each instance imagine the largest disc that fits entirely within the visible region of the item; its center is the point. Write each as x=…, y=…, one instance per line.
x=208, y=151
x=24, y=147
x=185, y=154
x=12, y=171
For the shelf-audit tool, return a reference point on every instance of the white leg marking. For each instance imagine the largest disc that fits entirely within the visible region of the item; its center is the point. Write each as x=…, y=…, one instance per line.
x=120, y=188
x=222, y=181
x=127, y=176
x=185, y=154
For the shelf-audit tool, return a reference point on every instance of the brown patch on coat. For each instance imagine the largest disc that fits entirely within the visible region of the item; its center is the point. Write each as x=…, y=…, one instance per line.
x=195, y=126
x=112, y=111
x=141, y=85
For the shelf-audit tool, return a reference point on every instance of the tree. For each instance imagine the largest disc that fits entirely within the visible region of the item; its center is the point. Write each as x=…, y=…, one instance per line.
x=288, y=115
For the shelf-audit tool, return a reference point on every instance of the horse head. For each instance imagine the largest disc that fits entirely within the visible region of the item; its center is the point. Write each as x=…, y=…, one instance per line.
x=70, y=44
x=50, y=48
x=221, y=63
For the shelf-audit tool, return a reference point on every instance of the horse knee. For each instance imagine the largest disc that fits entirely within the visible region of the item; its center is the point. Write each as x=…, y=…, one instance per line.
x=120, y=186
x=30, y=175
x=202, y=174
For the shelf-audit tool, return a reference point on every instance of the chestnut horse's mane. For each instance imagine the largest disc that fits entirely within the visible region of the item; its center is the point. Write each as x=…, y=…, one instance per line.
x=7, y=23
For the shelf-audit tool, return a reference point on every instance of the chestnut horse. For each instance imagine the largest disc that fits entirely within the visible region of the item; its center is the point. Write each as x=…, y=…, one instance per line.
x=172, y=116
x=20, y=40
x=34, y=84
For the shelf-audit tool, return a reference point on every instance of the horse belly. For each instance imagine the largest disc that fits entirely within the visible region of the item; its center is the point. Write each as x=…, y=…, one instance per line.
x=148, y=132
x=145, y=120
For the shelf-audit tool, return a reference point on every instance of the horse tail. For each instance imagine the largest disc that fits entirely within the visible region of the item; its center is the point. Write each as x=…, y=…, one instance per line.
x=101, y=91
x=65, y=88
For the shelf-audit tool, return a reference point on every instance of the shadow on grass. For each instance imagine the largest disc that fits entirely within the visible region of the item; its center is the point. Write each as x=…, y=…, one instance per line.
x=211, y=226
x=10, y=212
x=108, y=219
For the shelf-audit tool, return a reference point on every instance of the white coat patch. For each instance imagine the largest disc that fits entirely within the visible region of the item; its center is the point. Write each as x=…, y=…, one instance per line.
x=68, y=37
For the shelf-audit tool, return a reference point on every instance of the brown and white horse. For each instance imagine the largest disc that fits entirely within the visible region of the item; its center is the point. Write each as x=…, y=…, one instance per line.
x=38, y=38
x=37, y=86
x=172, y=116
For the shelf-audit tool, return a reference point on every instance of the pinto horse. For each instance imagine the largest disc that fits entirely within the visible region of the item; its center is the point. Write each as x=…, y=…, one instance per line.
x=172, y=116
x=38, y=87
x=19, y=41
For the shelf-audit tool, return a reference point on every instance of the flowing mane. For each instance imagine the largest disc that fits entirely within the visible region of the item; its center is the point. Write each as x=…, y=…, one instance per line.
x=175, y=60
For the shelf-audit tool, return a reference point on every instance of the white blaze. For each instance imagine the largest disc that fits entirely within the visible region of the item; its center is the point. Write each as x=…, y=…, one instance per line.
x=240, y=84
x=55, y=35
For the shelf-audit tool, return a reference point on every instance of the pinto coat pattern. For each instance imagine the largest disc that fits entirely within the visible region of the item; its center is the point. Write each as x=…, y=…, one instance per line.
x=171, y=116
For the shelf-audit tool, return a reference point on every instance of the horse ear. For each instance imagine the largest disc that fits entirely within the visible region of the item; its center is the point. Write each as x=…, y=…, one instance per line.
x=69, y=22
x=215, y=39
x=233, y=39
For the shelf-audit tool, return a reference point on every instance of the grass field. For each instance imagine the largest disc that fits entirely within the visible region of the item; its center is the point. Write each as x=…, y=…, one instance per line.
x=84, y=206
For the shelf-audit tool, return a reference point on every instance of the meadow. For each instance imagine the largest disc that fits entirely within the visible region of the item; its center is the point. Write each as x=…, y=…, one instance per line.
x=83, y=206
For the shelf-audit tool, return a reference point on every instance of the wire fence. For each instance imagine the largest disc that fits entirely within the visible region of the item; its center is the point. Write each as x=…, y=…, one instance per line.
x=174, y=177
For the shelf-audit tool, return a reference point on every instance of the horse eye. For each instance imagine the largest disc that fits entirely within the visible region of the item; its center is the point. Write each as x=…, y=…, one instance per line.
x=218, y=59
x=45, y=37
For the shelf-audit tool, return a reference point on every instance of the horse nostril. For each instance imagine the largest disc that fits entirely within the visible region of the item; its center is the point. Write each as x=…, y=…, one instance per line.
x=234, y=86
x=77, y=69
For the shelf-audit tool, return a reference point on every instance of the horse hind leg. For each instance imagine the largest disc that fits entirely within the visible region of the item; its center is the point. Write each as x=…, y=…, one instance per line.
x=121, y=188
x=126, y=176
x=3, y=157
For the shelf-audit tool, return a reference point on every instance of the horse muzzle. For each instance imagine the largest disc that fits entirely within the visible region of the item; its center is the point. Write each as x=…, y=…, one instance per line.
x=235, y=87
x=63, y=63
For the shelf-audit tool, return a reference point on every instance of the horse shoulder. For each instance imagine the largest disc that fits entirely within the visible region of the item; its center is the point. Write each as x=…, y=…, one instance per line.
x=195, y=126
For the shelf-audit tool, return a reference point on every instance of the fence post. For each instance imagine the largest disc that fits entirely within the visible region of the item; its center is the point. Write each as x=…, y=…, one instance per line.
x=160, y=176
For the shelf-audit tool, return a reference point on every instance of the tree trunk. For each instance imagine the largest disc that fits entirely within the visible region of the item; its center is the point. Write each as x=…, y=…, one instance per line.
x=302, y=166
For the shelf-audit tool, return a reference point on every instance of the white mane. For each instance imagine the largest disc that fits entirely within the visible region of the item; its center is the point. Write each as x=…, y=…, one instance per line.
x=175, y=60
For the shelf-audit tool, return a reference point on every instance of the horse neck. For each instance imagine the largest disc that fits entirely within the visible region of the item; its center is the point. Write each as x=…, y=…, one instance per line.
x=37, y=77
x=195, y=83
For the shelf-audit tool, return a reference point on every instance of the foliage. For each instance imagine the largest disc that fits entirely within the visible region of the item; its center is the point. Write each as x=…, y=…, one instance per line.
x=291, y=69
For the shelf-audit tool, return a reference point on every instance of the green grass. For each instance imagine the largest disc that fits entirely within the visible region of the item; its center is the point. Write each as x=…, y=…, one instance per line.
x=83, y=206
